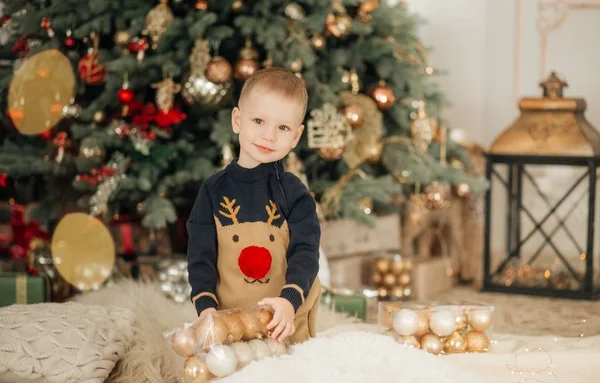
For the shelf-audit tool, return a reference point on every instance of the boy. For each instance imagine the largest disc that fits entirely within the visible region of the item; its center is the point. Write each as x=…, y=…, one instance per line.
x=253, y=231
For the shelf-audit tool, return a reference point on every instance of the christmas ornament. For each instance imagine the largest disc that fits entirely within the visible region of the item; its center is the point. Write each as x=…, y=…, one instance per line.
x=477, y=342
x=139, y=47
x=260, y=349
x=90, y=149
x=245, y=68
x=423, y=324
x=235, y=327
x=237, y=5
x=277, y=348
x=461, y=322
x=338, y=25
x=422, y=128
x=294, y=11
x=455, y=343
x=264, y=318
x=243, y=352
x=62, y=142
x=198, y=90
x=296, y=66
x=99, y=117
x=437, y=196
x=122, y=39
x=221, y=360
x=405, y=322
x=366, y=137
x=195, y=371
x=432, y=344
x=90, y=70
x=158, y=21
x=173, y=278
x=328, y=129
x=382, y=265
x=397, y=292
x=201, y=5
x=226, y=156
x=166, y=91
x=442, y=323
x=350, y=77
x=374, y=151
x=409, y=341
x=83, y=251
x=354, y=114
x=330, y=154
x=384, y=96
x=366, y=205
x=219, y=70
x=480, y=320
x=99, y=200
x=72, y=110
x=376, y=278
x=69, y=40
x=463, y=190
x=318, y=42
x=184, y=342
x=251, y=325
x=389, y=280
x=39, y=90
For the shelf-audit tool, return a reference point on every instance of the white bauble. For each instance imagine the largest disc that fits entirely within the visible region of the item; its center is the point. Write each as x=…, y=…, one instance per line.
x=244, y=353
x=442, y=323
x=406, y=322
x=277, y=348
x=260, y=348
x=221, y=360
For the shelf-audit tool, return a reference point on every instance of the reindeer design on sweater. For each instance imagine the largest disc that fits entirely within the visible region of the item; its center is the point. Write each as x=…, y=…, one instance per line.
x=252, y=255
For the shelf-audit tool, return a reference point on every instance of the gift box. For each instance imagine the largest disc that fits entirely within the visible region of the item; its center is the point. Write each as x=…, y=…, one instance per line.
x=431, y=277
x=22, y=288
x=359, y=303
x=439, y=327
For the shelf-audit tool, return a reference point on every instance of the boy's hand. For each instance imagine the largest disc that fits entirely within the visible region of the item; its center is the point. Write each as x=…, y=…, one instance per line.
x=283, y=317
x=207, y=311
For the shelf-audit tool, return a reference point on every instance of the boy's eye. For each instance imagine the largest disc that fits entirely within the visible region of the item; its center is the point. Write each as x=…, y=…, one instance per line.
x=258, y=121
x=284, y=127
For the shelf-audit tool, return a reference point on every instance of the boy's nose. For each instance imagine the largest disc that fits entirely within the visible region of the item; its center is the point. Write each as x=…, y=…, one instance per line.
x=269, y=134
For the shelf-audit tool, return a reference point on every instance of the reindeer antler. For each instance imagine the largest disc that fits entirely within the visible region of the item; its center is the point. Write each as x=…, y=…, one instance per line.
x=272, y=211
x=228, y=205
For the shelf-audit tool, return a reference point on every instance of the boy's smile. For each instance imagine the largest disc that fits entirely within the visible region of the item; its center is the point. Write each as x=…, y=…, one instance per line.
x=269, y=127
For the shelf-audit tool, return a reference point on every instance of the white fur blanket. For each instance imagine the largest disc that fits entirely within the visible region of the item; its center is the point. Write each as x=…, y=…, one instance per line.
x=339, y=354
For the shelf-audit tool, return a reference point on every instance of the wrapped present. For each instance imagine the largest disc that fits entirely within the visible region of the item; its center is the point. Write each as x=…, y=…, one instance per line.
x=430, y=277
x=22, y=288
x=220, y=343
x=360, y=303
x=439, y=327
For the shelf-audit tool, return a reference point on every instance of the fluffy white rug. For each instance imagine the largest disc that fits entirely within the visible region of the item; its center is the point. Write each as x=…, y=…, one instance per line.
x=352, y=357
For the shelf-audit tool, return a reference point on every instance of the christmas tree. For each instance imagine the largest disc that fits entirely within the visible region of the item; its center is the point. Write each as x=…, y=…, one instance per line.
x=154, y=82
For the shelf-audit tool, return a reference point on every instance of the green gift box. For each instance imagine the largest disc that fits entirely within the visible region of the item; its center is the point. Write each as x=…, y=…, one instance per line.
x=359, y=303
x=22, y=288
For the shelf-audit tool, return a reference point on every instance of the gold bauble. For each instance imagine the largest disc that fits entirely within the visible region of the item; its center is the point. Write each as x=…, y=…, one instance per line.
x=455, y=343
x=383, y=96
x=264, y=318
x=331, y=154
x=90, y=149
x=204, y=94
x=201, y=5
x=423, y=327
x=397, y=266
x=477, y=342
x=368, y=6
x=408, y=340
x=383, y=292
x=296, y=65
x=252, y=327
x=218, y=331
x=354, y=114
x=318, y=42
x=463, y=190
x=397, y=292
x=294, y=11
x=245, y=68
x=461, y=322
x=99, y=117
x=237, y=5
x=338, y=25
x=382, y=265
x=235, y=327
x=374, y=151
x=219, y=70
x=195, y=371
x=389, y=280
x=376, y=278
x=432, y=344
x=480, y=320
x=122, y=38
x=184, y=342
x=404, y=278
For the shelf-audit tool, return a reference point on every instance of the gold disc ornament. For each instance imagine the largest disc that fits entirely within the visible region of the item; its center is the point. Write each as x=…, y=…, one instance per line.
x=42, y=86
x=83, y=251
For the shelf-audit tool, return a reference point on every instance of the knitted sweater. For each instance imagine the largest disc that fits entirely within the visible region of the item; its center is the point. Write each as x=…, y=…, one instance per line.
x=253, y=233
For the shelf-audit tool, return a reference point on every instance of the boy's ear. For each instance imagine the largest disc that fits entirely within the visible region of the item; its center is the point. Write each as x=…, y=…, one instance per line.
x=298, y=135
x=235, y=119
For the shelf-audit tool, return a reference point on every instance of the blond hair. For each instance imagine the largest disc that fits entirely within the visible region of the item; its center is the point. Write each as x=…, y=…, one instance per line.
x=278, y=80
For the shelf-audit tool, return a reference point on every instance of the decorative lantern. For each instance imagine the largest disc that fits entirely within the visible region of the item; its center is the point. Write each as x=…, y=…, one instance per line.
x=540, y=237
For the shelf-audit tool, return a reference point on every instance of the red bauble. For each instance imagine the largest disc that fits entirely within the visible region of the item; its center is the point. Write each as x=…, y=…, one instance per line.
x=90, y=71
x=125, y=96
x=255, y=262
x=70, y=42
x=137, y=45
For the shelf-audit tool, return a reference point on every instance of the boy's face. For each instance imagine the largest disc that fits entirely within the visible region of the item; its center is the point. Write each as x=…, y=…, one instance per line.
x=269, y=127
